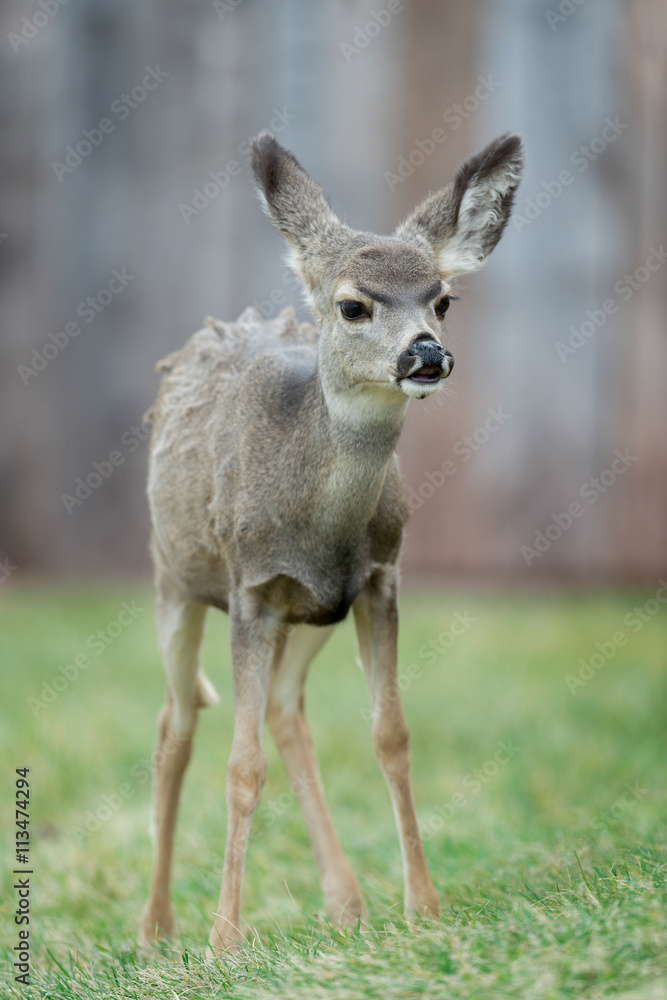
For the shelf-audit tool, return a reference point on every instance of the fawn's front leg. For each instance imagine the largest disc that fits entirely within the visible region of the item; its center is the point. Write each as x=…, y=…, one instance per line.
x=287, y=720
x=376, y=619
x=253, y=646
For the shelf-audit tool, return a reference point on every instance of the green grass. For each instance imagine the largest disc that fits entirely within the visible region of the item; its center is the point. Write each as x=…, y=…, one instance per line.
x=550, y=873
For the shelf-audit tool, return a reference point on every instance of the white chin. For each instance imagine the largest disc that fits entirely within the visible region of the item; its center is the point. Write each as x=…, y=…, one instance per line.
x=419, y=390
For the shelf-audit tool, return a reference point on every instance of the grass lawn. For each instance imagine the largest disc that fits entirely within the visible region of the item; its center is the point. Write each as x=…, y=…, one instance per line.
x=549, y=857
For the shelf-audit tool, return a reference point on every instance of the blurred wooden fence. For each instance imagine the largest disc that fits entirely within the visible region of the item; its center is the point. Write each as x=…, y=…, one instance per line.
x=380, y=102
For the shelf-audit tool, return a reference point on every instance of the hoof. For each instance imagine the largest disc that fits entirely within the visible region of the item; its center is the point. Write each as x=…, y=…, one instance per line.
x=422, y=907
x=221, y=952
x=345, y=910
x=156, y=926
x=225, y=939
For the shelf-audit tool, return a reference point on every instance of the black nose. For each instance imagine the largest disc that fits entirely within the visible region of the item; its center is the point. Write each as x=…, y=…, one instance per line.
x=434, y=362
x=429, y=352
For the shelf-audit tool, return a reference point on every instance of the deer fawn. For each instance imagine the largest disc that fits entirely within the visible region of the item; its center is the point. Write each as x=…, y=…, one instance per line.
x=275, y=495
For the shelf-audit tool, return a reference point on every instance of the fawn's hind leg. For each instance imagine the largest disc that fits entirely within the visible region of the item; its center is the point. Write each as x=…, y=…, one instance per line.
x=180, y=625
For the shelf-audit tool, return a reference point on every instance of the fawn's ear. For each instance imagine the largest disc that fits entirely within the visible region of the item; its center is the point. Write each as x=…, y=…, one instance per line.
x=296, y=205
x=462, y=222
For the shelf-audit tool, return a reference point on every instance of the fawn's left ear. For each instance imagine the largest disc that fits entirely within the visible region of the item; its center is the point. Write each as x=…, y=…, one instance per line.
x=463, y=222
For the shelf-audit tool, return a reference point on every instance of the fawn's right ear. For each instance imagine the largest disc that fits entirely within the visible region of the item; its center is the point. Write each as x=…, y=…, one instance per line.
x=296, y=205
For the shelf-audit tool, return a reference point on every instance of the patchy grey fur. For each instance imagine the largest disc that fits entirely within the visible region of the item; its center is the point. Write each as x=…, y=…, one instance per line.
x=275, y=495
x=243, y=442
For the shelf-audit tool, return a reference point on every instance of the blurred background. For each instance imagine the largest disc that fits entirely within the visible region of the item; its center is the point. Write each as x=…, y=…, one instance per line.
x=128, y=214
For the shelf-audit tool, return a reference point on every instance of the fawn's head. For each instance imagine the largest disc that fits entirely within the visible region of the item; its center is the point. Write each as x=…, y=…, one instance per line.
x=381, y=301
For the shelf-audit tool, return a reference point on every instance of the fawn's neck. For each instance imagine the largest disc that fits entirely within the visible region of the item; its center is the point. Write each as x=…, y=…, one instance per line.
x=361, y=426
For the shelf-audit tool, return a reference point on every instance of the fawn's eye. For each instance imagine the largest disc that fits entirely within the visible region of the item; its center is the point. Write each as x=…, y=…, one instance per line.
x=352, y=310
x=442, y=306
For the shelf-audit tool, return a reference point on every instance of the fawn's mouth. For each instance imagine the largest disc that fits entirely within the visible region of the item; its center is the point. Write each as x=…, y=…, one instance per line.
x=426, y=379
x=428, y=374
